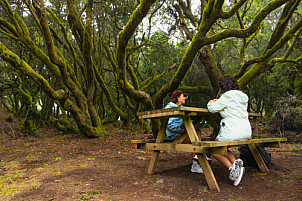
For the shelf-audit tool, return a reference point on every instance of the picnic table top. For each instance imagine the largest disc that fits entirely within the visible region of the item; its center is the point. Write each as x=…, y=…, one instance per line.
x=180, y=111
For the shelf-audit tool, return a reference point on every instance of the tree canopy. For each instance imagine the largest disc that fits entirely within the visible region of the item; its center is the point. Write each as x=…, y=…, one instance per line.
x=104, y=60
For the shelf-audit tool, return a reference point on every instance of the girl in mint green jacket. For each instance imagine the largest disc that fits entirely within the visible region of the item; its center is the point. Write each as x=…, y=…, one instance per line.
x=232, y=106
x=235, y=125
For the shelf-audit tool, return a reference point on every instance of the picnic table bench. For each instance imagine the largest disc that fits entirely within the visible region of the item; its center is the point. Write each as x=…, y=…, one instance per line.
x=201, y=148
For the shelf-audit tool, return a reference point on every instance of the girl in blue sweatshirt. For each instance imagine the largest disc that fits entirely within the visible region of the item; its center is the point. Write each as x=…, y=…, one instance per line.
x=176, y=126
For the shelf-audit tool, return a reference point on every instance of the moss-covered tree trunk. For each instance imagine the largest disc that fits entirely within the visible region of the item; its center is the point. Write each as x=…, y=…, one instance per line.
x=298, y=86
x=71, y=97
x=121, y=55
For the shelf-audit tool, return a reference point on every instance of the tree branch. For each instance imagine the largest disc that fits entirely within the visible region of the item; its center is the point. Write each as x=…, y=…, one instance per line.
x=282, y=41
x=123, y=39
x=234, y=9
x=244, y=33
x=148, y=82
x=21, y=65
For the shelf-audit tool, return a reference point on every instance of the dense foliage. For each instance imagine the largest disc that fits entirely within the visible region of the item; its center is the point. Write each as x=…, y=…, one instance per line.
x=287, y=115
x=100, y=61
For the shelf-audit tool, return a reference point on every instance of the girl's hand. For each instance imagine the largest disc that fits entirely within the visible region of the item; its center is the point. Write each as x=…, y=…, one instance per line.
x=212, y=101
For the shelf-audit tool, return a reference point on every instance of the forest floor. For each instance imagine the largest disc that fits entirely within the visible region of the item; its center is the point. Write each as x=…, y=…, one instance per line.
x=54, y=166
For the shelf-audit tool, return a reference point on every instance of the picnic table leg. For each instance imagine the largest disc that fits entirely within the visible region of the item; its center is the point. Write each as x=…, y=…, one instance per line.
x=159, y=139
x=190, y=129
x=208, y=173
x=261, y=164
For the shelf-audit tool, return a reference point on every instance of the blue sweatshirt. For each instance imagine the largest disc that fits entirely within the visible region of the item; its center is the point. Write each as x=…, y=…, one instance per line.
x=175, y=124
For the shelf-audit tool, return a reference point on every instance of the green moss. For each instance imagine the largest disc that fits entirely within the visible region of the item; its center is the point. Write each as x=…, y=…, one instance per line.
x=298, y=86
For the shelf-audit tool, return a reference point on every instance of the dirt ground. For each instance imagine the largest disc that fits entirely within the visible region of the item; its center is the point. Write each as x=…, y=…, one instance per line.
x=53, y=166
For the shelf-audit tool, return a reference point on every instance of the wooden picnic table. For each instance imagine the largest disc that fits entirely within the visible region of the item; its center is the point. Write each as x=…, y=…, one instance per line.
x=201, y=148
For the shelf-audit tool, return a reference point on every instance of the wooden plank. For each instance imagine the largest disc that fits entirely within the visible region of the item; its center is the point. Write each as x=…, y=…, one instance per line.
x=157, y=111
x=169, y=112
x=162, y=115
x=140, y=141
x=261, y=164
x=238, y=142
x=153, y=161
x=264, y=142
x=145, y=141
x=184, y=148
x=208, y=173
x=149, y=112
x=172, y=112
x=165, y=140
x=205, y=111
x=159, y=139
x=190, y=129
x=254, y=114
x=181, y=108
x=181, y=138
x=199, y=111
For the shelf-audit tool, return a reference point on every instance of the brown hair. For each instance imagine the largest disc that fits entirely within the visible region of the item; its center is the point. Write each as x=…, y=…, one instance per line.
x=176, y=94
x=227, y=83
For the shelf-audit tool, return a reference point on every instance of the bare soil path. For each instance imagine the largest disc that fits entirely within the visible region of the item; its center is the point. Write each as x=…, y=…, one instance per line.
x=53, y=166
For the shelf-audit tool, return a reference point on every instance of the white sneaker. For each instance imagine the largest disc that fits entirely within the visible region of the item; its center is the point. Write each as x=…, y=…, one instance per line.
x=196, y=168
x=238, y=180
x=209, y=159
x=236, y=168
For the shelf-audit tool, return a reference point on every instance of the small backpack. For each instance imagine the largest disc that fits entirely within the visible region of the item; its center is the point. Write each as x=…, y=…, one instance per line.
x=248, y=158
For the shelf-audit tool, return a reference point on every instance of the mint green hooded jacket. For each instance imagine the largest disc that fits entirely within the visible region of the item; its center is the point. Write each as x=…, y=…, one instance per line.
x=232, y=106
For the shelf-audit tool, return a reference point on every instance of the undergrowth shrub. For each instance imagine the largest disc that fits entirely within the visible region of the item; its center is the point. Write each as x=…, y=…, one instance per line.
x=9, y=118
x=287, y=114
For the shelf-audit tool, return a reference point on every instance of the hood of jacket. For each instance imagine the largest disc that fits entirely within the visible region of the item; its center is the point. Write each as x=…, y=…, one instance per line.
x=237, y=96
